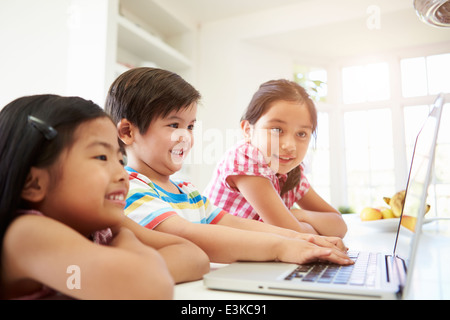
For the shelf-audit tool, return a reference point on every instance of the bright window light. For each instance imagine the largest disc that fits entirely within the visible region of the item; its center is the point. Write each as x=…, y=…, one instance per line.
x=366, y=83
x=425, y=75
x=318, y=158
x=438, y=73
x=414, y=77
x=369, y=156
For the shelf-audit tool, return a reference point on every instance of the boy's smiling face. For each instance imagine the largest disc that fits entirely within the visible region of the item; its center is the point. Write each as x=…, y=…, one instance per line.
x=159, y=152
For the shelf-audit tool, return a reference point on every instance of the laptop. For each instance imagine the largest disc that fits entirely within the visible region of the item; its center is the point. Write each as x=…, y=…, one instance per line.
x=374, y=275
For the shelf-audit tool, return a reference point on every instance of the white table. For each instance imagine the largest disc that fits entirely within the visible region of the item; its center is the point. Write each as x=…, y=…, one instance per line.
x=431, y=273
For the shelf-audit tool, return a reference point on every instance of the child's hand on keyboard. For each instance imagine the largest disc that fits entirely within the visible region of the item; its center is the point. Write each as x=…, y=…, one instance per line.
x=301, y=252
x=322, y=241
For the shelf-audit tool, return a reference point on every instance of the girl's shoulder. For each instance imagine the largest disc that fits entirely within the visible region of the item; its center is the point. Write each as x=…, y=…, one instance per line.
x=245, y=152
x=32, y=228
x=27, y=219
x=32, y=241
x=244, y=146
x=25, y=238
x=31, y=234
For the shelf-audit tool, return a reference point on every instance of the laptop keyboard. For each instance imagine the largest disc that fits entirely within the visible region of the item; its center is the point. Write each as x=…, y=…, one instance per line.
x=362, y=273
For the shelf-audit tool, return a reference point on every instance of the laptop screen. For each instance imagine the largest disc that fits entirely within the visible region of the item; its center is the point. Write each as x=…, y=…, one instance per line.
x=415, y=206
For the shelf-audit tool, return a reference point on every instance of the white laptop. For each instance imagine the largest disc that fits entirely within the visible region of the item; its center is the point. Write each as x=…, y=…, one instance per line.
x=374, y=275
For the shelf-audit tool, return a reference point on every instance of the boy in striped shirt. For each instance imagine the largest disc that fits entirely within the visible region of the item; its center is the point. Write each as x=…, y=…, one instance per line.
x=155, y=111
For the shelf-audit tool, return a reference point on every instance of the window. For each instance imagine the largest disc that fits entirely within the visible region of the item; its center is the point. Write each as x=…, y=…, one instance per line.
x=369, y=156
x=414, y=77
x=414, y=117
x=366, y=83
x=439, y=193
x=372, y=161
x=423, y=76
x=368, y=137
x=314, y=80
x=375, y=120
x=317, y=161
x=318, y=158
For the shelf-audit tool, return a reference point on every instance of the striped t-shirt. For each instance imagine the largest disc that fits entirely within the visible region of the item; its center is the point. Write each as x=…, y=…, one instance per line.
x=149, y=205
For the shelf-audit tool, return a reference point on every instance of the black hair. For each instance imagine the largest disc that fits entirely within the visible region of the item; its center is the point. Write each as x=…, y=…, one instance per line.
x=34, y=130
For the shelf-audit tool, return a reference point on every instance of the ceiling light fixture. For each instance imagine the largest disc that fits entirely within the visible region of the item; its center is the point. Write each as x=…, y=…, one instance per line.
x=434, y=12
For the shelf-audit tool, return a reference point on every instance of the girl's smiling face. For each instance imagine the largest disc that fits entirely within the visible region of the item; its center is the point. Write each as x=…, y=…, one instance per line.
x=88, y=183
x=282, y=134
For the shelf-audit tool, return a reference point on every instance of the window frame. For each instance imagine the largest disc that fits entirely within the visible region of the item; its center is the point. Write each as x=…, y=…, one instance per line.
x=336, y=109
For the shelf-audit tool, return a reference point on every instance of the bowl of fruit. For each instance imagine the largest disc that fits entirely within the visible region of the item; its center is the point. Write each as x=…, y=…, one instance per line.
x=386, y=218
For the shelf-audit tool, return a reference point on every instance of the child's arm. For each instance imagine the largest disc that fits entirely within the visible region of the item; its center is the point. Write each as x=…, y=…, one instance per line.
x=186, y=261
x=253, y=225
x=226, y=245
x=317, y=212
x=263, y=197
x=42, y=250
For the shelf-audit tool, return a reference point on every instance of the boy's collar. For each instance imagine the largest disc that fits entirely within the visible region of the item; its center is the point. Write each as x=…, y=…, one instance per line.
x=130, y=169
x=144, y=178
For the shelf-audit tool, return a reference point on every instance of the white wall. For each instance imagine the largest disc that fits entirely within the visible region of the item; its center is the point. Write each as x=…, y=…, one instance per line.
x=230, y=71
x=56, y=46
x=34, y=42
x=92, y=48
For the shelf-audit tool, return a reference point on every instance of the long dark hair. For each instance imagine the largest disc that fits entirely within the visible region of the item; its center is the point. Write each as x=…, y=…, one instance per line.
x=276, y=90
x=34, y=130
